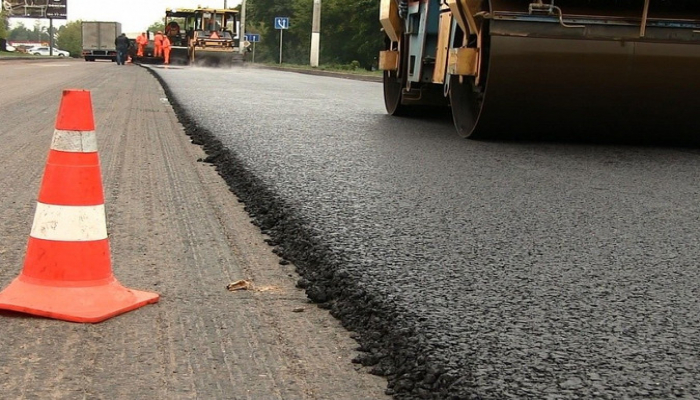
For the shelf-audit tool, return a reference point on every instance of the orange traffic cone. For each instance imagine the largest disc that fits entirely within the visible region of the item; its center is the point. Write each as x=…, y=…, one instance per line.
x=67, y=270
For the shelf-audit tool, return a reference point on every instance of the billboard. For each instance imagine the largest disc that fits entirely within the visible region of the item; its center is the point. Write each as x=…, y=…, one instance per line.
x=55, y=9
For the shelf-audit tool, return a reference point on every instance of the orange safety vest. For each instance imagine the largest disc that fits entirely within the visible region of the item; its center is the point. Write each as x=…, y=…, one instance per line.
x=166, y=42
x=158, y=39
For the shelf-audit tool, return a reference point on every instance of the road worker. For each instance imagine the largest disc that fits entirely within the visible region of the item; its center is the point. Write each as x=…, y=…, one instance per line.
x=166, y=49
x=172, y=29
x=212, y=25
x=158, y=43
x=122, y=44
x=141, y=42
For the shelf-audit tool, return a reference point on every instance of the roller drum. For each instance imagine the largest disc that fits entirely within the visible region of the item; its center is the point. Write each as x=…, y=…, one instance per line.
x=179, y=55
x=602, y=80
x=216, y=58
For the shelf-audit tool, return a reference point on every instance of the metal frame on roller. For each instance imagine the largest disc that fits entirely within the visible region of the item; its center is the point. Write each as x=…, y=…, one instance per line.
x=513, y=67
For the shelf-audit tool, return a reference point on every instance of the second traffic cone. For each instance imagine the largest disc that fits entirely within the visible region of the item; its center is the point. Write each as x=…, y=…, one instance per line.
x=67, y=270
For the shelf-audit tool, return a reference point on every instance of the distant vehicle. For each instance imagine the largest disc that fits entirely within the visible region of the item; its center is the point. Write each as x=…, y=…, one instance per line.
x=98, y=40
x=44, y=51
x=9, y=48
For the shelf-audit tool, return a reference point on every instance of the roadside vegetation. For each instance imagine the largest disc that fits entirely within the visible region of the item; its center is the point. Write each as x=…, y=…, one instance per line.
x=68, y=36
x=3, y=24
x=351, y=36
x=350, y=32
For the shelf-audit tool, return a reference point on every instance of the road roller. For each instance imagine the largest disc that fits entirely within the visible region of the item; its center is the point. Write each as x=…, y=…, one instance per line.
x=514, y=68
x=204, y=36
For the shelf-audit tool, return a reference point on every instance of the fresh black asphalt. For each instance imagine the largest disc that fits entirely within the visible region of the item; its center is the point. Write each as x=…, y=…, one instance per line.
x=469, y=270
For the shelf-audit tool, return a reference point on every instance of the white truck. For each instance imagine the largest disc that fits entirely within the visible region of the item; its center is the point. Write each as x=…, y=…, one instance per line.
x=98, y=40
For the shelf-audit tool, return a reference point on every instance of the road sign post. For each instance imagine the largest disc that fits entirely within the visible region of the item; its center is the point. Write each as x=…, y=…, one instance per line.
x=253, y=38
x=281, y=23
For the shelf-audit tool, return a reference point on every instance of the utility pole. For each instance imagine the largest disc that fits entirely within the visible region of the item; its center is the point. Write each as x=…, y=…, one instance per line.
x=315, y=33
x=241, y=34
x=50, y=36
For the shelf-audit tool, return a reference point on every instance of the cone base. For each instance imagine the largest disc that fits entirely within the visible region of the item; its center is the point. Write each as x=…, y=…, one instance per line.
x=75, y=304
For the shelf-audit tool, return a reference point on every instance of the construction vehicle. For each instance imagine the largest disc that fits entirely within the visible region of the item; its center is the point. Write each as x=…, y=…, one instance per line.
x=204, y=36
x=510, y=68
x=98, y=40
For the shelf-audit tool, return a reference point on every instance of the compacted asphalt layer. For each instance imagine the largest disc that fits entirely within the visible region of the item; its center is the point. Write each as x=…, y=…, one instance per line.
x=470, y=270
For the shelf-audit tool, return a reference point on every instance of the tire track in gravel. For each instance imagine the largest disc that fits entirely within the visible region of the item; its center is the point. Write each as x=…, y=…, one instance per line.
x=119, y=124
x=246, y=259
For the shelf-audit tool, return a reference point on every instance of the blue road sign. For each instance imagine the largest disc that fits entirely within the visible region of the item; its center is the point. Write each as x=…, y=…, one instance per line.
x=281, y=22
x=252, y=37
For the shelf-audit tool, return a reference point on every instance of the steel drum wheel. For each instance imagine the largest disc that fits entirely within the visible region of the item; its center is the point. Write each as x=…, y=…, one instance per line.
x=466, y=106
x=393, y=87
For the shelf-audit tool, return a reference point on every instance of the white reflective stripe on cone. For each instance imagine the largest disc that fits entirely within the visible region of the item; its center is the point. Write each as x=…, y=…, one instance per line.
x=69, y=223
x=74, y=141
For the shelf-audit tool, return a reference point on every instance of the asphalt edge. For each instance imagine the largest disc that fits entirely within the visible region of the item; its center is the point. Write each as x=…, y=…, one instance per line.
x=388, y=346
x=320, y=72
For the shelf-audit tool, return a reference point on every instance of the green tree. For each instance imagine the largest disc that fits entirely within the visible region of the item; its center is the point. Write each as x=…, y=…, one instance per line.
x=3, y=24
x=69, y=38
x=261, y=14
x=40, y=33
x=37, y=34
x=20, y=33
x=350, y=30
x=157, y=26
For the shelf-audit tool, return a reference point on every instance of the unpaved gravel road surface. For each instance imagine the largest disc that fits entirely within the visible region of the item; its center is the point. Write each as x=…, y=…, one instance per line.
x=174, y=228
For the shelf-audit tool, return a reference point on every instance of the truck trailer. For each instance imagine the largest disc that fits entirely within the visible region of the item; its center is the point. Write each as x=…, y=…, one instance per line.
x=508, y=68
x=98, y=40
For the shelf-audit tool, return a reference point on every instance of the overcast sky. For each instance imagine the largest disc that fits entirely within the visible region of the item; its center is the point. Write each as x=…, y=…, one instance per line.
x=135, y=15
